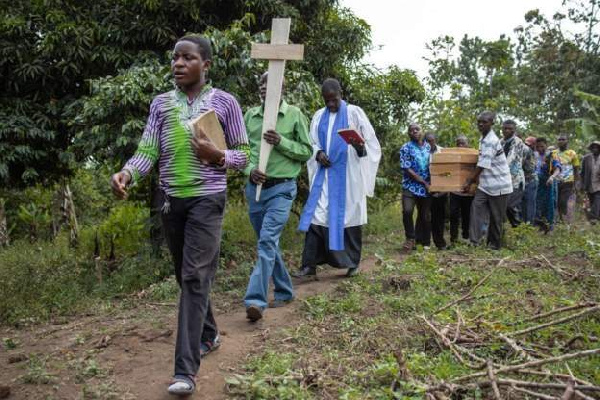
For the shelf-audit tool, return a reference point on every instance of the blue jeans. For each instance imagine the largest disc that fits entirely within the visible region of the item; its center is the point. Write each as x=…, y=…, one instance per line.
x=268, y=218
x=528, y=204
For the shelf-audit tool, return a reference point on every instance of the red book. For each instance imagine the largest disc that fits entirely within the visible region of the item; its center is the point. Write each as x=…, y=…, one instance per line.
x=350, y=134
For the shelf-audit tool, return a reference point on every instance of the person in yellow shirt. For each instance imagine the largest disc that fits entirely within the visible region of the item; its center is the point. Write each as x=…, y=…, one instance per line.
x=568, y=179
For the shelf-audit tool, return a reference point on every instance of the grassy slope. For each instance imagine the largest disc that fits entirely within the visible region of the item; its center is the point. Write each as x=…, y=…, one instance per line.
x=367, y=341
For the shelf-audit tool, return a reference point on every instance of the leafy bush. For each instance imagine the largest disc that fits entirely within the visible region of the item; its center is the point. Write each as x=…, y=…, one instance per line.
x=41, y=280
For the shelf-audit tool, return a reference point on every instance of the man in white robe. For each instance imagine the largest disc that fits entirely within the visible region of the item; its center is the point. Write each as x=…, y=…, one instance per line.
x=341, y=177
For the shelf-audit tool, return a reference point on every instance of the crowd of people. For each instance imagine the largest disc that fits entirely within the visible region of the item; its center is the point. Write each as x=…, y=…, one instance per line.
x=511, y=178
x=522, y=181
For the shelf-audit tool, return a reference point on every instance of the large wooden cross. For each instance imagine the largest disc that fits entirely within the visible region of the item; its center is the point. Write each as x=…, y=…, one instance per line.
x=276, y=52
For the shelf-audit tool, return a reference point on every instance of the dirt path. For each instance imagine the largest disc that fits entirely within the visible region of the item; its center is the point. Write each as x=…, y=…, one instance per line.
x=138, y=349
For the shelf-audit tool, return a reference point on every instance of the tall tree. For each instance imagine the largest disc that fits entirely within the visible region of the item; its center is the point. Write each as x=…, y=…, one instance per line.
x=50, y=50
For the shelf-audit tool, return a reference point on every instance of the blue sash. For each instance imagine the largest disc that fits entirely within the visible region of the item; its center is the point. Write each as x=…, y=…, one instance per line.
x=338, y=155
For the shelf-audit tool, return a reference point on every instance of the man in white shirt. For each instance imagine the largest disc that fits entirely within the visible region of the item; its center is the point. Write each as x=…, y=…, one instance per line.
x=341, y=177
x=495, y=184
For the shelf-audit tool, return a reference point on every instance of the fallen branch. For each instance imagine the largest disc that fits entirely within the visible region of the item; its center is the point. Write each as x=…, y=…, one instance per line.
x=153, y=337
x=513, y=344
x=555, y=322
x=555, y=268
x=539, y=385
x=536, y=385
x=574, y=379
x=556, y=311
x=459, y=321
x=535, y=394
x=466, y=296
x=453, y=348
x=569, y=391
x=530, y=364
x=153, y=303
x=490, y=372
x=549, y=375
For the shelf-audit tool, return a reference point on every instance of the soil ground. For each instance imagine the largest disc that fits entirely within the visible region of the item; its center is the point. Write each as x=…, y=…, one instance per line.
x=130, y=355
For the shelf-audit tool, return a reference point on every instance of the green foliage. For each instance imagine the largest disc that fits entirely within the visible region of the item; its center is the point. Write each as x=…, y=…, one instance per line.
x=51, y=269
x=30, y=211
x=125, y=228
x=272, y=379
x=51, y=51
x=65, y=279
x=535, y=79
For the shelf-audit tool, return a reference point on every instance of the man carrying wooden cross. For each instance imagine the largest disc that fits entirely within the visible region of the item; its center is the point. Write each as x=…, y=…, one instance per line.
x=291, y=147
x=278, y=125
x=341, y=177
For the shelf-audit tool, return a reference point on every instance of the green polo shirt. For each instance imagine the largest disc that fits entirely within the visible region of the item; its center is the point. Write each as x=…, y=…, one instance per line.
x=294, y=148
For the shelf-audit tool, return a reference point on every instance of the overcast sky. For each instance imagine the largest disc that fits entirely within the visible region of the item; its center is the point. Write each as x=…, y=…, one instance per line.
x=403, y=27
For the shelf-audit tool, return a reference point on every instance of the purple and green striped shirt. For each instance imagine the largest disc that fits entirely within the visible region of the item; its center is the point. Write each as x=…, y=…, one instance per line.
x=167, y=139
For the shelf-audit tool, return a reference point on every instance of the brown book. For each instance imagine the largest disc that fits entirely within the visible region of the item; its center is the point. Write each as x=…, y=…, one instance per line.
x=209, y=124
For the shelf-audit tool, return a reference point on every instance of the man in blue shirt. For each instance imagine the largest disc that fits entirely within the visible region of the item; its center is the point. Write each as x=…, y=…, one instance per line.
x=414, y=161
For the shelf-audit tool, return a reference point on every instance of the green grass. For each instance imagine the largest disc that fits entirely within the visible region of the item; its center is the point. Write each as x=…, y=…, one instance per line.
x=366, y=340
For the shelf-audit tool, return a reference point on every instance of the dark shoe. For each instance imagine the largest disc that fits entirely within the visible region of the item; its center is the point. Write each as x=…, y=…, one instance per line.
x=210, y=346
x=280, y=303
x=408, y=246
x=254, y=313
x=306, y=272
x=352, y=272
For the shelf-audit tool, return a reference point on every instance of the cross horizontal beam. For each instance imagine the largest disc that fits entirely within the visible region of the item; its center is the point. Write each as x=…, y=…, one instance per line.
x=277, y=51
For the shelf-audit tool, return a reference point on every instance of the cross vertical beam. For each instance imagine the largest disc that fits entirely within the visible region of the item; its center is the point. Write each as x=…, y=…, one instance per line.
x=276, y=52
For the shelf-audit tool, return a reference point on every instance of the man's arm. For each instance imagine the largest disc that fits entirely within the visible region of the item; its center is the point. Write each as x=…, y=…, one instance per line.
x=253, y=157
x=472, y=179
x=576, y=164
x=144, y=158
x=299, y=148
x=238, y=153
x=405, y=164
x=148, y=149
x=416, y=177
x=556, y=168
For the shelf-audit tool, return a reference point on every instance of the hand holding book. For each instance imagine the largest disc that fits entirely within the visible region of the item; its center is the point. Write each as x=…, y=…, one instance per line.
x=352, y=137
x=208, y=139
x=206, y=150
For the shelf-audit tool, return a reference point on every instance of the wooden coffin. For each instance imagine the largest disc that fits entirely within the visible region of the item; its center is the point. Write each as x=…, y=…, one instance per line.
x=451, y=167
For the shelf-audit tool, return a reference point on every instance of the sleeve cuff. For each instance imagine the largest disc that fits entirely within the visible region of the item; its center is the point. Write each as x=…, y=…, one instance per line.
x=484, y=164
x=229, y=159
x=284, y=143
x=132, y=173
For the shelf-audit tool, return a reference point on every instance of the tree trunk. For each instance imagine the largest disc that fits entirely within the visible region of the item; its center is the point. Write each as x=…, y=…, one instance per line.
x=67, y=214
x=4, y=239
